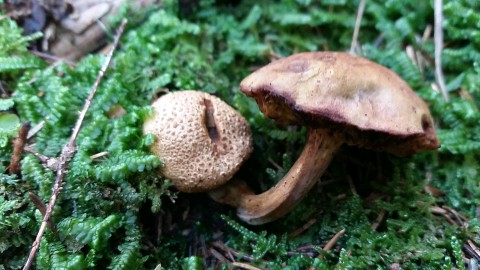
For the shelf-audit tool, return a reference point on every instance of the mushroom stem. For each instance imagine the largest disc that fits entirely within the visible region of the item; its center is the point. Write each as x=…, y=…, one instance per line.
x=285, y=195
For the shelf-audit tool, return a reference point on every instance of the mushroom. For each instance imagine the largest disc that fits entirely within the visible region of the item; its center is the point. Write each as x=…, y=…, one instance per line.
x=342, y=99
x=201, y=140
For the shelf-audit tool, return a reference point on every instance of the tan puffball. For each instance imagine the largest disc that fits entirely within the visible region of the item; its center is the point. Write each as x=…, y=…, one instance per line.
x=201, y=140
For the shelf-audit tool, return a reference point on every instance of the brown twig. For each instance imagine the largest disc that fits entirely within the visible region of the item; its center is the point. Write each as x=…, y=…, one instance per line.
x=413, y=55
x=218, y=256
x=18, y=145
x=378, y=220
x=48, y=162
x=356, y=30
x=340, y=197
x=229, y=250
x=426, y=33
x=474, y=248
x=38, y=203
x=41, y=207
x=307, y=250
x=438, y=36
x=381, y=215
x=470, y=252
x=437, y=210
x=275, y=164
x=69, y=150
x=4, y=92
x=51, y=57
x=459, y=219
x=352, y=186
x=419, y=55
x=34, y=130
x=99, y=155
x=443, y=212
x=435, y=192
x=245, y=266
x=303, y=228
x=334, y=240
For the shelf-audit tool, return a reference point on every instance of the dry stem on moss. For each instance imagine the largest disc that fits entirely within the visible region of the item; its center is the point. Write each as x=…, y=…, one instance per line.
x=69, y=150
x=18, y=145
x=354, y=45
x=438, y=36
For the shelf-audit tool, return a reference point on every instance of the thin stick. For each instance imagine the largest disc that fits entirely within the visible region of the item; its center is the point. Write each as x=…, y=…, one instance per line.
x=304, y=227
x=99, y=155
x=245, y=266
x=378, y=220
x=443, y=212
x=52, y=57
x=474, y=248
x=334, y=240
x=41, y=207
x=4, y=92
x=352, y=186
x=218, y=256
x=438, y=35
x=18, y=145
x=438, y=210
x=34, y=130
x=69, y=150
x=48, y=162
x=229, y=250
x=275, y=164
x=356, y=30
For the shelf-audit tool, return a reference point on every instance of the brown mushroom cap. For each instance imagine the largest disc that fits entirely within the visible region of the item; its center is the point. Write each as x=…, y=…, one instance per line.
x=201, y=140
x=372, y=105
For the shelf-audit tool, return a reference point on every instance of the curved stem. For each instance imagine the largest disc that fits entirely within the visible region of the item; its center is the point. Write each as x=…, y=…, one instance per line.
x=286, y=194
x=231, y=192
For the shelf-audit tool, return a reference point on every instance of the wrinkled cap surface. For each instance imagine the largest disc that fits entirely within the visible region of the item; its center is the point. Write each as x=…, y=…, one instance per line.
x=370, y=103
x=201, y=140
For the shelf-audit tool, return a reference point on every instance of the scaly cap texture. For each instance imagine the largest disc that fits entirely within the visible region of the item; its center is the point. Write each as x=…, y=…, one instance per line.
x=201, y=140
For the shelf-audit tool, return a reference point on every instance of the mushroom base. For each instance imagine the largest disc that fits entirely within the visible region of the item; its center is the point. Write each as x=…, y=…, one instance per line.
x=286, y=194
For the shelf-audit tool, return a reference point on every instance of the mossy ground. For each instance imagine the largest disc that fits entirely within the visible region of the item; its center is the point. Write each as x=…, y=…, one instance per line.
x=116, y=212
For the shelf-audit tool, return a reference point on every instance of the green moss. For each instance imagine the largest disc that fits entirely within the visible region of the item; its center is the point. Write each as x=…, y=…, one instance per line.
x=116, y=212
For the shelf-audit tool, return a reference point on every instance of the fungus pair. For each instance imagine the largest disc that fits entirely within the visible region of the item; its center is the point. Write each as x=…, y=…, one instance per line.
x=342, y=99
